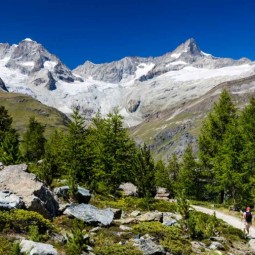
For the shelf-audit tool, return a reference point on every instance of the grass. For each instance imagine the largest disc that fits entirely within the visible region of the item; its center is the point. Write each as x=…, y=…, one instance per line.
x=23, y=107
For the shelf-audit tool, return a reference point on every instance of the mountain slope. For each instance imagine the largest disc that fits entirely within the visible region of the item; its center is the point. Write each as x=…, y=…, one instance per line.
x=22, y=107
x=172, y=130
x=143, y=89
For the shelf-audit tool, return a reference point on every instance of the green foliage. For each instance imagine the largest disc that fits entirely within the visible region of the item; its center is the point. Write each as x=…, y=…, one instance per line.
x=34, y=234
x=211, y=138
x=5, y=246
x=112, y=154
x=183, y=207
x=189, y=178
x=129, y=204
x=34, y=141
x=117, y=249
x=145, y=173
x=75, y=244
x=201, y=226
x=21, y=220
x=15, y=249
x=9, y=139
x=171, y=238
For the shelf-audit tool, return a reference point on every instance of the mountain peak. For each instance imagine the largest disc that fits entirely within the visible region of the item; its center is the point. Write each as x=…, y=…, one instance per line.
x=190, y=46
x=28, y=40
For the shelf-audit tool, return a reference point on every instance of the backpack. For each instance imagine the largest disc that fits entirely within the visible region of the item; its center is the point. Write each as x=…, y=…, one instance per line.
x=248, y=217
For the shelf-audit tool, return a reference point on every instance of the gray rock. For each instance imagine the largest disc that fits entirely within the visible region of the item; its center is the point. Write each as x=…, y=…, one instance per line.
x=198, y=247
x=83, y=195
x=90, y=214
x=2, y=86
x=117, y=213
x=151, y=216
x=35, y=195
x=148, y=247
x=170, y=222
x=35, y=248
x=125, y=228
x=129, y=189
x=216, y=246
x=135, y=213
x=9, y=201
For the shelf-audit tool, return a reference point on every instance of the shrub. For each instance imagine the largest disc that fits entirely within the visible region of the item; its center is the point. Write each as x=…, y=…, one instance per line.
x=21, y=220
x=5, y=246
x=118, y=249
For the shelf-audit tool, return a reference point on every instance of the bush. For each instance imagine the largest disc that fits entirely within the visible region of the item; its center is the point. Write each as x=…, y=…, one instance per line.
x=201, y=226
x=21, y=220
x=117, y=249
x=171, y=238
x=5, y=246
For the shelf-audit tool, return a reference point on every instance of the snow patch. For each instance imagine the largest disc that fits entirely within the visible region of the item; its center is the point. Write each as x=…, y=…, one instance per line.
x=175, y=55
x=143, y=69
x=50, y=65
x=206, y=54
x=175, y=63
x=28, y=40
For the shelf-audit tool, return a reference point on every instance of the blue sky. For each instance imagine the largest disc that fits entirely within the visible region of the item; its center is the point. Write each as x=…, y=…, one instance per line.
x=107, y=30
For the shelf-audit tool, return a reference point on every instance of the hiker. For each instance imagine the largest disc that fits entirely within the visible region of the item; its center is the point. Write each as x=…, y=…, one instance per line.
x=247, y=217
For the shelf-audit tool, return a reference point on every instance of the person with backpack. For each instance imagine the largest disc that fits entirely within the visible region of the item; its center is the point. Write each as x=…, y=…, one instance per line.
x=247, y=216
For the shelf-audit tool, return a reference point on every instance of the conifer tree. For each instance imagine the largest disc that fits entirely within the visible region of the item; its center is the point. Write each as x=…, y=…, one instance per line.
x=145, y=172
x=34, y=141
x=9, y=139
x=74, y=157
x=189, y=179
x=211, y=137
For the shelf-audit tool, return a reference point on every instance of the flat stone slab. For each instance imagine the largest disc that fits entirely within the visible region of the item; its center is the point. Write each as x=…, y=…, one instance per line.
x=90, y=214
x=35, y=248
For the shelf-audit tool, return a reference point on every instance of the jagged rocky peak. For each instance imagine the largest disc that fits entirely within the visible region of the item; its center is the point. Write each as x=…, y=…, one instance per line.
x=30, y=58
x=190, y=47
x=113, y=72
x=2, y=86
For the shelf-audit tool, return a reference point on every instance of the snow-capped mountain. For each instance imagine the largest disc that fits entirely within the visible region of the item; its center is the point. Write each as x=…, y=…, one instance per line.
x=139, y=87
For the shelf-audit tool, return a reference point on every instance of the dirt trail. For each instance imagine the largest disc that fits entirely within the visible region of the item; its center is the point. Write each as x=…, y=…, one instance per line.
x=231, y=220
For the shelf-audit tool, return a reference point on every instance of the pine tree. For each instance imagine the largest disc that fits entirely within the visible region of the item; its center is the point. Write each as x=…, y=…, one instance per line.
x=34, y=141
x=173, y=169
x=9, y=139
x=145, y=173
x=113, y=151
x=211, y=137
x=74, y=157
x=9, y=148
x=189, y=179
x=230, y=175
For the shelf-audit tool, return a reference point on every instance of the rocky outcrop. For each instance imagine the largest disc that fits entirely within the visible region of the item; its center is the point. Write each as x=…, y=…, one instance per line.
x=9, y=201
x=2, y=86
x=83, y=195
x=162, y=194
x=148, y=246
x=35, y=248
x=90, y=214
x=129, y=189
x=34, y=194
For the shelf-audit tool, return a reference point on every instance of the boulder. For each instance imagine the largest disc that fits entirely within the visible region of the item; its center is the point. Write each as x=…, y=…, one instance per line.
x=117, y=213
x=151, y=216
x=35, y=248
x=216, y=246
x=83, y=195
x=148, y=247
x=34, y=194
x=129, y=189
x=90, y=214
x=9, y=201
